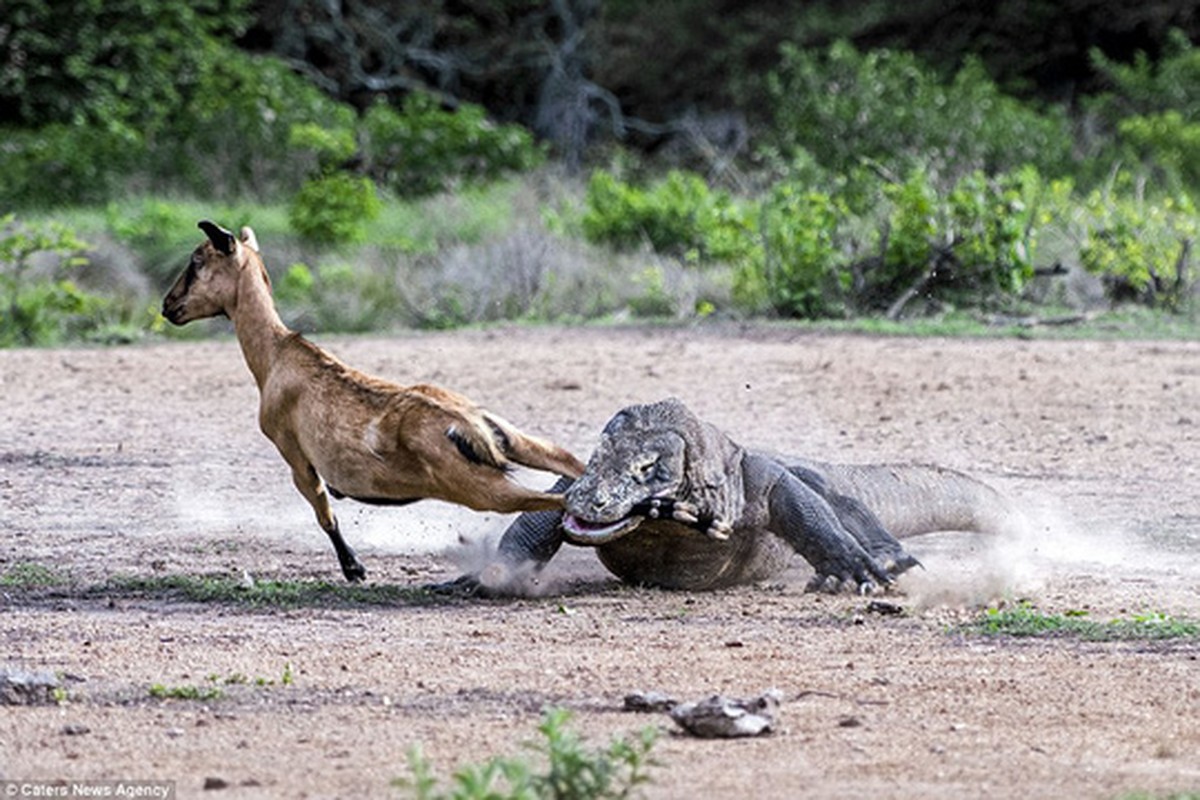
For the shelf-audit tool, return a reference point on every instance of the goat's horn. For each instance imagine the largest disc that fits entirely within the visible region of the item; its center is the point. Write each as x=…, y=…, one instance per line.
x=222, y=239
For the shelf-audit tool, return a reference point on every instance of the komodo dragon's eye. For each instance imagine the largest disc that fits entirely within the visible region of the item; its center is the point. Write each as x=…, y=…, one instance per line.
x=643, y=470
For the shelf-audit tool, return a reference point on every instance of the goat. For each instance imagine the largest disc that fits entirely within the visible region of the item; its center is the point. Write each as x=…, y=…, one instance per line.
x=339, y=429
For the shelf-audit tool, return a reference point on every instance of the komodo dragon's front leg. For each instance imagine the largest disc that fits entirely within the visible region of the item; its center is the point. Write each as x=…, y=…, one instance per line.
x=532, y=539
x=859, y=521
x=805, y=519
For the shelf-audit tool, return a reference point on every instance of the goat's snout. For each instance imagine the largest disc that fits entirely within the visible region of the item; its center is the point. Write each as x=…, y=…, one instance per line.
x=173, y=310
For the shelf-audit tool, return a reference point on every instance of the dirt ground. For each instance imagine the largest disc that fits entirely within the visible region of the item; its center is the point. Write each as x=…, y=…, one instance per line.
x=147, y=461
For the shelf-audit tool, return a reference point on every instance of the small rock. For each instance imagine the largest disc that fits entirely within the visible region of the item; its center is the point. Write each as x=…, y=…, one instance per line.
x=646, y=702
x=884, y=608
x=726, y=718
x=75, y=729
x=20, y=688
x=211, y=783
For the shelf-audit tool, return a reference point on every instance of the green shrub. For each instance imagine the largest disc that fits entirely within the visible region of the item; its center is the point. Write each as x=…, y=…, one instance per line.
x=334, y=209
x=330, y=146
x=993, y=227
x=911, y=229
x=1154, y=107
x=1146, y=86
x=424, y=149
x=820, y=259
x=129, y=92
x=1168, y=141
x=237, y=134
x=573, y=772
x=337, y=297
x=973, y=243
x=1142, y=248
x=41, y=306
x=62, y=163
x=844, y=107
x=800, y=256
x=678, y=216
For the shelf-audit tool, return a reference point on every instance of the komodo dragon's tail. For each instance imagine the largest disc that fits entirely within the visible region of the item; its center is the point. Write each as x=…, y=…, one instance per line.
x=910, y=499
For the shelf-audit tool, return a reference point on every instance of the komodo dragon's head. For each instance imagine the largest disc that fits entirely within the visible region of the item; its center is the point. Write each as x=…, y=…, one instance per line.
x=648, y=452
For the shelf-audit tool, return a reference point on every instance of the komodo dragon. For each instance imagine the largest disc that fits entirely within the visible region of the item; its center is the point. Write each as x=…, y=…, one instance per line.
x=669, y=500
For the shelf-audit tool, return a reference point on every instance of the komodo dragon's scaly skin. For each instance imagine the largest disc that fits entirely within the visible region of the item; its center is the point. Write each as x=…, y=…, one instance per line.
x=669, y=500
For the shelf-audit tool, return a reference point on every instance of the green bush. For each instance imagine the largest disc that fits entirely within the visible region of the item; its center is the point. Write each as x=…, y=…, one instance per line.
x=884, y=107
x=971, y=244
x=912, y=227
x=993, y=228
x=424, y=149
x=103, y=93
x=1154, y=107
x=64, y=163
x=41, y=306
x=334, y=209
x=234, y=136
x=129, y=94
x=817, y=258
x=800, y=257
x=573, y=771
x=1168, y=141
x=1142, y=248
x=678, y=216
x=106, y=63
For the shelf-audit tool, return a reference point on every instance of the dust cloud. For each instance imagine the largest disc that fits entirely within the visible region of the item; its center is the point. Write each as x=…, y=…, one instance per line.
x=1042, y=550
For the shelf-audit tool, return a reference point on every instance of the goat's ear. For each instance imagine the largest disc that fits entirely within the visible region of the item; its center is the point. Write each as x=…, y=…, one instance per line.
x=222, y=239
x=249, y=239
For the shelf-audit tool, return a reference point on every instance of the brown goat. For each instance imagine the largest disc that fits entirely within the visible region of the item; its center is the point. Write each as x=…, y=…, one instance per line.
x=362, y=437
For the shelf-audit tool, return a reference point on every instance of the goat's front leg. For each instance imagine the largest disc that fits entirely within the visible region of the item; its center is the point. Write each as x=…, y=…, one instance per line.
x=313, y=489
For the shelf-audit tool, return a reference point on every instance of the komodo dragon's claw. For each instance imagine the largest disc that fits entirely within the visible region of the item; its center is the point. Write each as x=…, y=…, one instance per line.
x=668, y=508
x=685, y=513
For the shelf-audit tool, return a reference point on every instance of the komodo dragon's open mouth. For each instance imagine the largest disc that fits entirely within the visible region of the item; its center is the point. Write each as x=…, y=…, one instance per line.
x=582, y=531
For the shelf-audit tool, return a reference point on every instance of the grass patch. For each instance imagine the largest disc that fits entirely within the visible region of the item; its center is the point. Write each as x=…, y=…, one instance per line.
x=266, y=593
x=1023, y=620
x=32, y=576
x=216, y=686
x=162, y=692
x=572, y=770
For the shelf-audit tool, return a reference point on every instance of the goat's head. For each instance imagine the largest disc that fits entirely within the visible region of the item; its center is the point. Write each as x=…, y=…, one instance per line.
x=208, y=286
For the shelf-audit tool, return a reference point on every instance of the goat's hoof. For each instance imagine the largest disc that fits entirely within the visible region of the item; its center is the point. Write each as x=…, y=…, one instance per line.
x=355, y=574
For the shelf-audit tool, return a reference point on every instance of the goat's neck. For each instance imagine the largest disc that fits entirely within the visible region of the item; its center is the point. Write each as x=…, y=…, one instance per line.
x=257, y=324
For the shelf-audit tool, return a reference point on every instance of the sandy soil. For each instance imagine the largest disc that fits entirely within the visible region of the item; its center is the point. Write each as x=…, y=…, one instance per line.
x=147, y=461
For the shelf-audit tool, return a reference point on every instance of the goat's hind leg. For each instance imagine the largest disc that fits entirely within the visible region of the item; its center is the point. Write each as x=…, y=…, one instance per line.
x=530, y=451
x=313, y=489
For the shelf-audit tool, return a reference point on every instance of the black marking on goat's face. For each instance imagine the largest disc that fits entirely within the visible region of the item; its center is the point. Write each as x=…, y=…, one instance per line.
x=629, y=467
x=198, y=292
x=183, y=303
